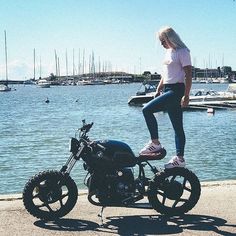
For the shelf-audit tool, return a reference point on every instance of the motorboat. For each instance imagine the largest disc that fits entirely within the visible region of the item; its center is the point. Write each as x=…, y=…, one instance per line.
x=211, y=95
x=4, y=88
x=202, y=99
x=28, y=82
x=145, y=93
x=199, y=98
x=91, y=82
x=43, y=83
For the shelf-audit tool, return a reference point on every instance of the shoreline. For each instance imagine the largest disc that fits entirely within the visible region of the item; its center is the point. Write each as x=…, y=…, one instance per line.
x=204, y=184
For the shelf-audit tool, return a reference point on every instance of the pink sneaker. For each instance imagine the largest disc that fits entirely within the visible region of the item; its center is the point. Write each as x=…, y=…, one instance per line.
x=175, y=162
x=150, y=148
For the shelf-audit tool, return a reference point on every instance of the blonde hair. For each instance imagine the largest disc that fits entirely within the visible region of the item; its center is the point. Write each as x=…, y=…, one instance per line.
x=168, y=34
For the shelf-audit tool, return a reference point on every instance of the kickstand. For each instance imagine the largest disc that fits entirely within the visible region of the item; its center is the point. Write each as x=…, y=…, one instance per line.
x=101, y=214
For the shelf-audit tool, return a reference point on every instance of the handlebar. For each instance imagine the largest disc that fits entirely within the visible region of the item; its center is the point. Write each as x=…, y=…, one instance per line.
x=86, y=127
x=83, y=135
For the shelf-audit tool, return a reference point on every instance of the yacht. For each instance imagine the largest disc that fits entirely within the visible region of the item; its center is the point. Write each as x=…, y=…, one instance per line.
x=4, y=88
x=145, y=93
x=199, y=98
x=43, y=83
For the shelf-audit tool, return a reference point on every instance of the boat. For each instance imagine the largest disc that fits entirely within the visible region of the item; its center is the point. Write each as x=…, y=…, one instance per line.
x=145, y=93
x=28, y=82
x=202, y=95
x=199, y=98
x=4, y=87
x=231, y=88
x=91, y=82
x=43, y=83
x=203, y=99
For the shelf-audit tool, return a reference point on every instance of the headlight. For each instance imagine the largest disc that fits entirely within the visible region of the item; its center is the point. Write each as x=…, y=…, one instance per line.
x=74, y=145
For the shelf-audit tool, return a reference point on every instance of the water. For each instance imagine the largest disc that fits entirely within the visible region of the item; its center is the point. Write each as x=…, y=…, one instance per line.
x=34, y=135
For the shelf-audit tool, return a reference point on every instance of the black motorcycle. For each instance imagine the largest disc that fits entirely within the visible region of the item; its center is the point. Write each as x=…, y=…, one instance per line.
x=111, y=181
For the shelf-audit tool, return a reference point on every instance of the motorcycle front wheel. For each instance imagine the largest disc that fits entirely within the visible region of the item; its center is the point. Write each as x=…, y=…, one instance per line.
x=174, y=191
x=50, y=195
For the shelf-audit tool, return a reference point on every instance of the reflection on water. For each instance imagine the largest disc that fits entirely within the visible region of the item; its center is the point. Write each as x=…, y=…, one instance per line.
x=34, y=135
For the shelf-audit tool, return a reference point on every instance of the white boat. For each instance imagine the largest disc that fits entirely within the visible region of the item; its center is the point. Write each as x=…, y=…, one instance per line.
x=145, y=94
x=4, y=88
x=211, y=95
x=203, y=99
x=140, y=99
x=28, y=82
x=231, y=88
x=43, y=83
x=91, y=82
x=198, y=99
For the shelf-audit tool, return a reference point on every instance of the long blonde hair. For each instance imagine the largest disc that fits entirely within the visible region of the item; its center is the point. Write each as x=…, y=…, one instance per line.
x=168, y=34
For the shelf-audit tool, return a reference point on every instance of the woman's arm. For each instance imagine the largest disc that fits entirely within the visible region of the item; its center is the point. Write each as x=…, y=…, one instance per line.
x=188, y=85
x=159, y=88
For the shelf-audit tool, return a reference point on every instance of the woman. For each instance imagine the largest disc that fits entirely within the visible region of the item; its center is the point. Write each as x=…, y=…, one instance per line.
x=176, y=82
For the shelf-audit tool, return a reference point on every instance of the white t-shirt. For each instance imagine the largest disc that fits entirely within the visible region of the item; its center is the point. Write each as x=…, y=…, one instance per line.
x=173, y=64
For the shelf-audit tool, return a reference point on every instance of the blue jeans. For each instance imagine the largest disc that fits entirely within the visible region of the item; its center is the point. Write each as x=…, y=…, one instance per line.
x=169, y=101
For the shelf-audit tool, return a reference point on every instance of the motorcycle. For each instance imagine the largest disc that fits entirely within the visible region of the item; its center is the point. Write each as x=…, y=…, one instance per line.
x=111, y=181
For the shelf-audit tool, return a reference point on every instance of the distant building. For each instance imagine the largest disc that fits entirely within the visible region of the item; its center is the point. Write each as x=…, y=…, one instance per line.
x=225, y=71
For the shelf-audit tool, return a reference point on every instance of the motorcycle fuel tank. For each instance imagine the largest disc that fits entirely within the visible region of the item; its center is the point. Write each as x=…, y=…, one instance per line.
x=115, y=154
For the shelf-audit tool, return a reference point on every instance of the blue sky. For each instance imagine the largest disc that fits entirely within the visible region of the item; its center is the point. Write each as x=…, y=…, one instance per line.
x=121, y=33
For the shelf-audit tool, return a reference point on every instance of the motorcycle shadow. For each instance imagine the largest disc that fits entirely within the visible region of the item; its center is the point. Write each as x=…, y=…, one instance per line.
x=160, y=224
x=141, y=224
x=67, y=225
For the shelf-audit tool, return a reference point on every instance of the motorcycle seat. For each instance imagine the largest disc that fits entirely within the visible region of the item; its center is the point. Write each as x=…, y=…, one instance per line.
x=152, y=156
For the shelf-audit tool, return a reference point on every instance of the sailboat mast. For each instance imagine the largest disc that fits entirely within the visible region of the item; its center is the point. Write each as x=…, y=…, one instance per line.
x=73, y=62
x=40, y=68
x=5, y=34
x=66, y=64
x=34, y=63
x=56, y=61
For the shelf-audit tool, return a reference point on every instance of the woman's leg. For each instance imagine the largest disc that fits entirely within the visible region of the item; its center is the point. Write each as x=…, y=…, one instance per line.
x=155, y=105
x=176, y=117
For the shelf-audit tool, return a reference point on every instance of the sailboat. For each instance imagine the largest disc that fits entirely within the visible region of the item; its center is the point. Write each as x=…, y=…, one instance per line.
x=4, y=87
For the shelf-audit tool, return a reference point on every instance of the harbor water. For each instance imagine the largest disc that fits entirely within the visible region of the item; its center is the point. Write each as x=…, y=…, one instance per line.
x=34, y=135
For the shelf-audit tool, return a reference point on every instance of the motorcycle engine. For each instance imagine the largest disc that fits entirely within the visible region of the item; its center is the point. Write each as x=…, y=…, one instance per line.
x=117, y=186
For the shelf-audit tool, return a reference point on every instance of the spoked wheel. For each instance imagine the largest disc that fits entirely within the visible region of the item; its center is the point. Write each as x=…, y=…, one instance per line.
x=50, y=195
x=174, y=191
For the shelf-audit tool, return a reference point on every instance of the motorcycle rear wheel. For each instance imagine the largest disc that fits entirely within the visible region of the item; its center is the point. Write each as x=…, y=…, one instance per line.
x=50, y=195
x=174, y=191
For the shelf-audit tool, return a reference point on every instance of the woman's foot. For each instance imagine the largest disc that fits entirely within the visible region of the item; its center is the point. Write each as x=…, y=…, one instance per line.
x=150, y=148
x=175, y=162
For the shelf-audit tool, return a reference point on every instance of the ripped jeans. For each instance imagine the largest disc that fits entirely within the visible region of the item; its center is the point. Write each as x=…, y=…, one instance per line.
x=169, y=101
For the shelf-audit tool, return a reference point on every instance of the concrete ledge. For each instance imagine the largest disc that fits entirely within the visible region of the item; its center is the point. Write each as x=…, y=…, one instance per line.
x=18, y=196
x=218, y=183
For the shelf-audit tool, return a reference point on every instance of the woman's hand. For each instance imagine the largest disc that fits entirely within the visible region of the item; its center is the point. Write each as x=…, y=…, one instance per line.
x=159, y=88
x=185, y=101
x=157, y=93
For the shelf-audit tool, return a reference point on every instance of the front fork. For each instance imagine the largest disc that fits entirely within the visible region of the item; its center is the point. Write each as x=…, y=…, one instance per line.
x=74, y=157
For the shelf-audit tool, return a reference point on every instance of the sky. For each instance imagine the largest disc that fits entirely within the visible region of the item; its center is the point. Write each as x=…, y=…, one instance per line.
x=121, y=34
